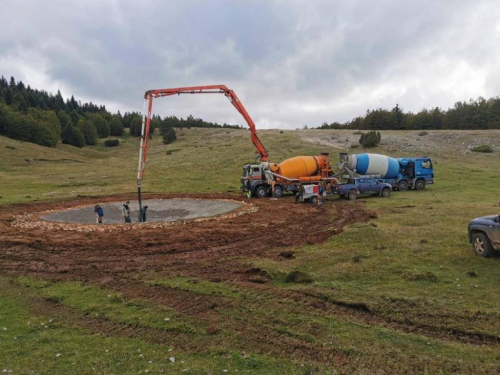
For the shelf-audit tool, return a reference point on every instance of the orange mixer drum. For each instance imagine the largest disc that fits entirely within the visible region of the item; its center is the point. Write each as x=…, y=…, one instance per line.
x=300, y=166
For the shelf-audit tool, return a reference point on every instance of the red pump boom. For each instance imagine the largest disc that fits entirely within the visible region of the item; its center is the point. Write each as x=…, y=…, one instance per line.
x=150, y=95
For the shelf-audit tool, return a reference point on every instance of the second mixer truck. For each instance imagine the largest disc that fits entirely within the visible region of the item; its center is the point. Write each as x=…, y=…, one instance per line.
x=401, y=173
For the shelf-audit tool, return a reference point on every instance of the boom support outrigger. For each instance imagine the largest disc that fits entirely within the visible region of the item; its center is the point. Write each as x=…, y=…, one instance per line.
x=150, y=95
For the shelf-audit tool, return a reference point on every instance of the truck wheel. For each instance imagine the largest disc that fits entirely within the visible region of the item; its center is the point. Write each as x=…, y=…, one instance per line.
x=481, y=245
x=420, y=185
x=261, y=191
x=403, y=185
x=278, y=191
x=352, y=195
x=314, y=200
x=386, y=192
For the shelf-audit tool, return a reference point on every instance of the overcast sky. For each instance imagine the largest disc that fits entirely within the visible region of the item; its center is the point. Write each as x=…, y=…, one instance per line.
x=290, y=62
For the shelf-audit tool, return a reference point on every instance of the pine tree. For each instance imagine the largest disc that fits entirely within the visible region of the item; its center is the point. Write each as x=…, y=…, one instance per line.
x=169, y=135
x=88, y=130
x=64, y=119
x=116, y=127
x=59, y=102
x=73, y=136
x=101, y=126
x=136, y=126
x=370, y=139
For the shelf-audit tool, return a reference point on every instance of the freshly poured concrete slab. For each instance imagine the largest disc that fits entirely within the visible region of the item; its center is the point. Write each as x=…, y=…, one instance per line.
x=159, y=210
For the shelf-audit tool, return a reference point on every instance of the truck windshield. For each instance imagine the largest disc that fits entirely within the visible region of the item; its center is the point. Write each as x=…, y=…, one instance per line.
x=427, y=164
x=245, y=172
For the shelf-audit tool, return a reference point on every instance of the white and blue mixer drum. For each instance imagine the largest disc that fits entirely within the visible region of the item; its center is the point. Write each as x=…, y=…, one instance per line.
x=373, y=164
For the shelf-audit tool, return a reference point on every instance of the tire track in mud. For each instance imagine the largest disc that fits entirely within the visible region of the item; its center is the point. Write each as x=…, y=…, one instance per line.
x=258, y=339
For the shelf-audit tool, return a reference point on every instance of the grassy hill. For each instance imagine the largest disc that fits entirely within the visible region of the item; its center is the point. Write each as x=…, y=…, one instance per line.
x=410, y=267
x=201, y=160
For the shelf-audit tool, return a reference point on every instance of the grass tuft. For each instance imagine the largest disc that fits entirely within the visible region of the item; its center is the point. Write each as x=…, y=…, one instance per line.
x=298, y=277
x=483, y=149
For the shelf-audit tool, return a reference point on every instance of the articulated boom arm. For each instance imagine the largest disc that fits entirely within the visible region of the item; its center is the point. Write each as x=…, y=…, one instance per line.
x=214, y=89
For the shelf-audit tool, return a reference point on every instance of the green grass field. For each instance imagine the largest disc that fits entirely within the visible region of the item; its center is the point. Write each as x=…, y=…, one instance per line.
x=412, y=265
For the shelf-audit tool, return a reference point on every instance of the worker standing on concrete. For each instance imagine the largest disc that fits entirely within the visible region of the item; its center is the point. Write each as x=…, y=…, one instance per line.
x=100, y=213
x=126, y=212
x=144, y=213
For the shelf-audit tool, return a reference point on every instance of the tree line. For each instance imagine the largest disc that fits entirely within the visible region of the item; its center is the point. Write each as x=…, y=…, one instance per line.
x=474, y=114
x=46, y=119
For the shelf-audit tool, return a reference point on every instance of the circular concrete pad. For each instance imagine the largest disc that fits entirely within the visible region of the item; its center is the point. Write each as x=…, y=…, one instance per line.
x=159, y=210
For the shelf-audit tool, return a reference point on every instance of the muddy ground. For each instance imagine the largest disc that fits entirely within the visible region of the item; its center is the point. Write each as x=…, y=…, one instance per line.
x=214, y=250
x=96, y=256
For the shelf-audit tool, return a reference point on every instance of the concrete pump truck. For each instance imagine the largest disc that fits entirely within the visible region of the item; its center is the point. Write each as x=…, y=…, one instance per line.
x=260, y=179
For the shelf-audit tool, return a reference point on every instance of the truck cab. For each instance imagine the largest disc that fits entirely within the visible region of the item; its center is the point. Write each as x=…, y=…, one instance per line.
x=253, y=179
x=257, y=179
x=415, y=173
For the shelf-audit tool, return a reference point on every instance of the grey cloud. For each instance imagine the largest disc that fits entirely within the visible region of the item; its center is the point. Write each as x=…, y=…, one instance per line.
x=291, y=62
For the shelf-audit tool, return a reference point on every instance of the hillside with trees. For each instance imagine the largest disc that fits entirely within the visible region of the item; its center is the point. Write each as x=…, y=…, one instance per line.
x=46, y=119
x=474, y=114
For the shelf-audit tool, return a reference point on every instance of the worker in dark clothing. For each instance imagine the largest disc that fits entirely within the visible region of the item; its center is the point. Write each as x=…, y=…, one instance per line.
x=126, y=212
x=144, y=211
x=409, y=171
x=100, y=213
x=321, y=190
x=299, y=194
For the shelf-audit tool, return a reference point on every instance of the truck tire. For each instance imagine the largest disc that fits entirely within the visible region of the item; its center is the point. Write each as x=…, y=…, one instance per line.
x=403, y=185
x=386, y=192
x=481, y=245
x=278, y=191
x=420, y=185
x=352, y=195
x=314, y=200
x=261, y=191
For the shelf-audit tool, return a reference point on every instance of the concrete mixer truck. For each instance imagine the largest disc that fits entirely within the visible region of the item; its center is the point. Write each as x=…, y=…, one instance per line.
x=401, y=173
x=275, y=179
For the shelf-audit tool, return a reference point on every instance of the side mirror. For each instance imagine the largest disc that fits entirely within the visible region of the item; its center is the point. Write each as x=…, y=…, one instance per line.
x=497, y=219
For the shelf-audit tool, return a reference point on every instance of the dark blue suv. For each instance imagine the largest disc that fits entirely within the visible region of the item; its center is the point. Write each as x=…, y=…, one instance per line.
x=362, y=185
x=484, y=235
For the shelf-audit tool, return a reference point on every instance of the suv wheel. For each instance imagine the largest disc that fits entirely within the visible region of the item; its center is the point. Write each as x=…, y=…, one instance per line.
x=386, y=192
x=420, y=185
x=403, y=185
x=481, y=245
x=352, y=195
x=261, y=191
x=314, y=200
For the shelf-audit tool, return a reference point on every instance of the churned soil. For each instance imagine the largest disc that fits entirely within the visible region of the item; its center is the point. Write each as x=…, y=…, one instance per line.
x=219, y=249
x=58, y=253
